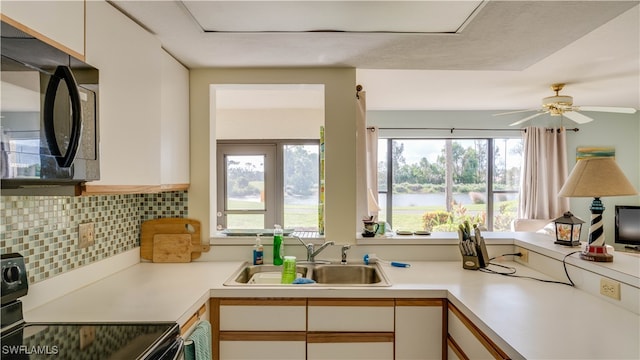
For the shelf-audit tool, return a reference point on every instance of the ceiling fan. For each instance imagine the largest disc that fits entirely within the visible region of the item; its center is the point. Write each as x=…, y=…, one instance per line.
x=562, y=105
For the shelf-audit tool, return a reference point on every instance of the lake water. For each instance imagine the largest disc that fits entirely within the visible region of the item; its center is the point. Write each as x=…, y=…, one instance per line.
x=400, y=200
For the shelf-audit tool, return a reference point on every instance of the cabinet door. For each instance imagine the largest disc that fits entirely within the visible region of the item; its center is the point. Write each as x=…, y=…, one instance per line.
x=174, y=107
x=58, y=23
x=351, y=315
x=471, y=342
x=349, y=346
x=419, y=329
x=245, y=328
x=263, y=315
x=130, y=63
x=271, y=346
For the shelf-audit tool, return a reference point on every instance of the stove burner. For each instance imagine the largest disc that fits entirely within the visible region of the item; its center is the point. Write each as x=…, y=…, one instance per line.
x=91, y=341
x=95, y=341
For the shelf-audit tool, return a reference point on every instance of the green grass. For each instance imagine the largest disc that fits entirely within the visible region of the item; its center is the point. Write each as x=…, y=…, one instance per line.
x=405, y=218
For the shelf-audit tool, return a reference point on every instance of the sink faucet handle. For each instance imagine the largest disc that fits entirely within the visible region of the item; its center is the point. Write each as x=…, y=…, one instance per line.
x=344, y=253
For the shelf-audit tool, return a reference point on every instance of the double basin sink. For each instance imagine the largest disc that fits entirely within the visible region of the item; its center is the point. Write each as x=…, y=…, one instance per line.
x=321, y=275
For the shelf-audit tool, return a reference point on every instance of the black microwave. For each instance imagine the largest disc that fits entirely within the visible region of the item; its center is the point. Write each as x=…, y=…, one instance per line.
x=48, y=118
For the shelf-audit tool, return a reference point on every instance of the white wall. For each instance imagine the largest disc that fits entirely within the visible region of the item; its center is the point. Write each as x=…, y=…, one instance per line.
x=269, y=123
x=339, y=85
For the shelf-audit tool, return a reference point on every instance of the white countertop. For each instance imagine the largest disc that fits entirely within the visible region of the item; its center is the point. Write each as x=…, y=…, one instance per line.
x=527, y=318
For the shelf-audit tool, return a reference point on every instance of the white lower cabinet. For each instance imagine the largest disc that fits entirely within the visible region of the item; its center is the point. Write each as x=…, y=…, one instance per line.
x=328, y=329
x=259, y=328
x=467, y=341
x=350, y=350
x=351, y=315
x=419, y=329
x=350, y=329
x=262, y=349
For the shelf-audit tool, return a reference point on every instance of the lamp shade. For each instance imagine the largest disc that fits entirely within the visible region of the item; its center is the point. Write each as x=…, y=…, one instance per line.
x=597, y=177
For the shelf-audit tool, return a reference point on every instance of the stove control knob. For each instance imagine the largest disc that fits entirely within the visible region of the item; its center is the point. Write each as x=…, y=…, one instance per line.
x=11, y=274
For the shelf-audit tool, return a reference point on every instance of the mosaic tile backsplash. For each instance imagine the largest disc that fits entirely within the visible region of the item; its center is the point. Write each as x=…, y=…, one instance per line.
x=44, y=229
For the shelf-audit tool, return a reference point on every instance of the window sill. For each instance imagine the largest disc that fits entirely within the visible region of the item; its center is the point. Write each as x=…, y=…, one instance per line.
x=439, y=238
x=222, y=239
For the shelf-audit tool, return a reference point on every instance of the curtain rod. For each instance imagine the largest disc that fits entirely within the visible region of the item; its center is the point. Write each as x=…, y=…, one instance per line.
x=467, y=129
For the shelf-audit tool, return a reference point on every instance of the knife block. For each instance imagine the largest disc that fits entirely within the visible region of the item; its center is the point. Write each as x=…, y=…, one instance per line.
x=470, y=262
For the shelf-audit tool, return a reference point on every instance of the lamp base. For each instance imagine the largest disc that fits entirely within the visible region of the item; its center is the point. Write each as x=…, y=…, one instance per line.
x=596, y=253
x=567, y=242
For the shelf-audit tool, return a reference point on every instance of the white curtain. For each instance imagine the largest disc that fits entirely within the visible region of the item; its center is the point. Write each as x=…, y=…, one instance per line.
x=544, y=171
x=366, y=162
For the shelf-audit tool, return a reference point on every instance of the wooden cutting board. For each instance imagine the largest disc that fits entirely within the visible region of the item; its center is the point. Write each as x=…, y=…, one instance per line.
x=171, y=248
x=171, y=226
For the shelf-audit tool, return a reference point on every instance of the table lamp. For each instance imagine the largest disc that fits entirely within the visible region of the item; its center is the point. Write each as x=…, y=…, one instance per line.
x=597, y=177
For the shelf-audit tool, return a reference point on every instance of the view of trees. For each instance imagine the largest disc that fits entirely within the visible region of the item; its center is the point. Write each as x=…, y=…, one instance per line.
x=469, y=166
x=455, y=167
x=444, y=183
x=300, y=170
x=245, y=175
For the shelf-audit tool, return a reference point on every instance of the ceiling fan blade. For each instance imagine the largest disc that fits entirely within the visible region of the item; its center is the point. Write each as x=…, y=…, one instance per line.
x=514, y=112
x=577, y=117
x=526, y=119
x=613, y=109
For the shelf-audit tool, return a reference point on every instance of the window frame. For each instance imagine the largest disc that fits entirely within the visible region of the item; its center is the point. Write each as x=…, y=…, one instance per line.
x=274, y=202
x=491, y=192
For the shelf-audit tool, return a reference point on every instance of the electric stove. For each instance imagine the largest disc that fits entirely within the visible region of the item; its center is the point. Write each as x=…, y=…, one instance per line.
x=95, y=341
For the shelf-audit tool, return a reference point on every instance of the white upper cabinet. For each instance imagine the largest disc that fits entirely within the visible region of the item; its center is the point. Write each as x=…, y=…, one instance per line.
x=174, y=115
x=144, y=115
x=60, y=23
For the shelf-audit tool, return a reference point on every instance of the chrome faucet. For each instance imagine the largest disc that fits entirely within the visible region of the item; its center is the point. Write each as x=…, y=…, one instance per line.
x=311, y=251
x=344, y=254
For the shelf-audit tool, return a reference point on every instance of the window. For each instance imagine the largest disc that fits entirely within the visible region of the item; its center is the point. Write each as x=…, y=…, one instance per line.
x=435, y=184
x=262, y=184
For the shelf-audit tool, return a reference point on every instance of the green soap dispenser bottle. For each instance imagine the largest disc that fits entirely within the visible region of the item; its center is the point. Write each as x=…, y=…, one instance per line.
x=278, y=245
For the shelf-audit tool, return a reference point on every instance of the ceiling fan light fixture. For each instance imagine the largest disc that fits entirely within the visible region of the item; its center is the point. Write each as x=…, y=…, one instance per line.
x=559, y=105
x=557, y=100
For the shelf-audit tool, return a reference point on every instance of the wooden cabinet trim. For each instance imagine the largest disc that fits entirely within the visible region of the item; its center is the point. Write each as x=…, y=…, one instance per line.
x=262, y=302
x=348, y=337
x=193, y=319
x=445, y=327
x=43, y=38
x=456, y=348
x=352, y=302
x=420, y=302
x=481, y=336
x=263, y=336
x=214, y=317
x=89, y=189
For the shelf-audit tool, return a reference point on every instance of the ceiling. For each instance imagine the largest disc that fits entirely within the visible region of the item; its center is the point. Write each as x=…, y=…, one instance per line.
x=419, y=55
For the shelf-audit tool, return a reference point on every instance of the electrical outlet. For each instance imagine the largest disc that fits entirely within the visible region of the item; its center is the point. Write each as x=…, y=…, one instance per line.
x=525, y=255
x=86, y=235
x=610, y=288
x=87, y=336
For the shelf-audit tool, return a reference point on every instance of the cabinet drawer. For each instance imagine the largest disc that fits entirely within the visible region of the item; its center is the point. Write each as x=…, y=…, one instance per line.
x=350, y=351
x=351, y=315
x=262, y=315
x=272, y=350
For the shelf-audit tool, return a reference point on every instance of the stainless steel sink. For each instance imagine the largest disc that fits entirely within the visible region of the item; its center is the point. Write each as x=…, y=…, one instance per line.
x=359, y=275
x=349, y=275
x=263, y=274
